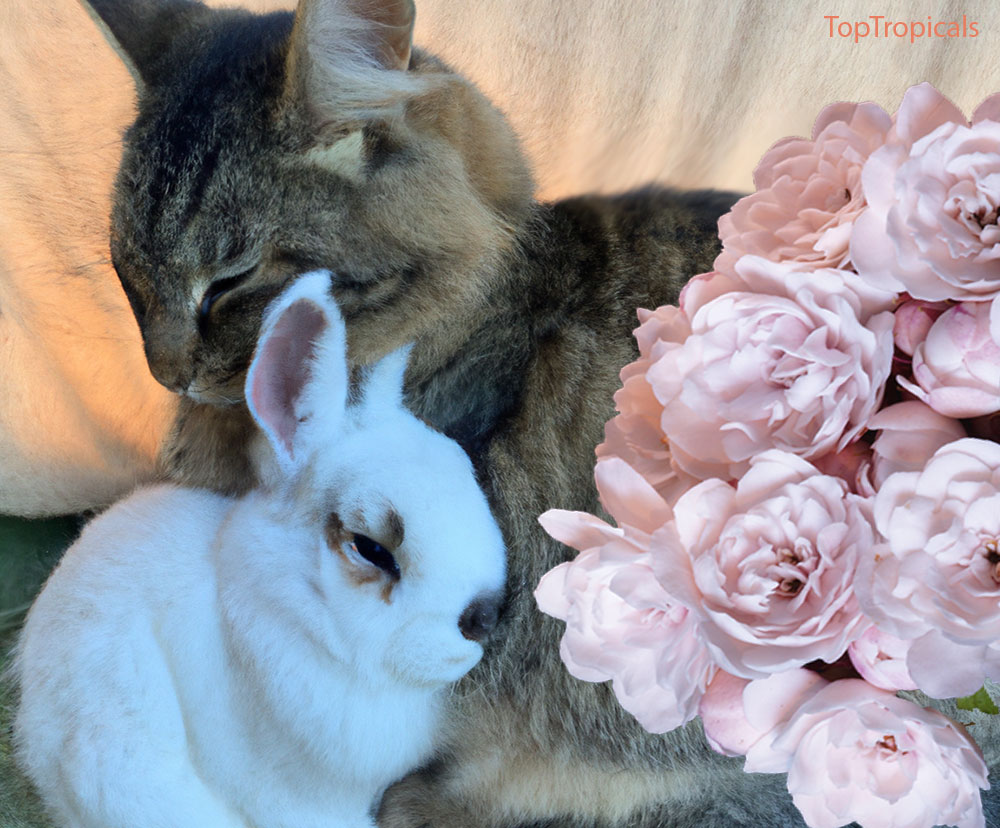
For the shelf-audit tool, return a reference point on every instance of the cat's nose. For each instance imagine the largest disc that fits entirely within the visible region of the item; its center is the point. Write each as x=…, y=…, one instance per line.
x=168, y=367
x=480, y=618
x=169, y=364
x=171, y=376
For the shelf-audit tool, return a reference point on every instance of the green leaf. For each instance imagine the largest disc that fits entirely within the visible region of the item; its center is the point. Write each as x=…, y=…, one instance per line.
x=980, y=700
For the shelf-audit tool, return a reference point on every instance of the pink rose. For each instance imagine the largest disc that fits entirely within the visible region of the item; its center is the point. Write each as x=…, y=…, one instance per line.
x=909, y=434
x=737, y=713
x=938, y=569
x=880, y=658
x=957, y=367
x=767, y=568
x=754, y=274
x=988, y=110
x=856, y=753
x=634, y=434
x=913, y=319
x=995, y=318
x=808, y=192
x=933, y=193
x=770, y=357
x=944, y=669
x=620, y=624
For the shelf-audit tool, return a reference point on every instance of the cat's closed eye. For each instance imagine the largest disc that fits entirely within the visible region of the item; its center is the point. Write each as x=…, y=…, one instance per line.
x=216, y=290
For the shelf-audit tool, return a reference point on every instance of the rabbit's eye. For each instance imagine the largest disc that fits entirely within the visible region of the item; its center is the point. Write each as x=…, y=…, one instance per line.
x=376, y=554
x=216, y=291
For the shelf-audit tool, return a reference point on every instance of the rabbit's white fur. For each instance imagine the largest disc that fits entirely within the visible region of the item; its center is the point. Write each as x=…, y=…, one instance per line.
x=197, y=660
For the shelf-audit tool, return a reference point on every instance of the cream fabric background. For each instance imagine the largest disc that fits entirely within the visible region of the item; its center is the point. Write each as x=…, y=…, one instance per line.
x=605, y=93
x=613, y=93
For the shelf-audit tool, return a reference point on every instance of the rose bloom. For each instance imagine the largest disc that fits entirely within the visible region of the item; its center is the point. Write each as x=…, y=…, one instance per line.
x=767, y=567
x=944, y=669
x=936, y=576
x=635, y=434
x=737, y=713
x=908, y=435
x=933, y=193
x=808, y=192
x=913, y=320
x=880, y=658
x=620, y=624
x=957, y=367
x=770, y=357
x=856, y=753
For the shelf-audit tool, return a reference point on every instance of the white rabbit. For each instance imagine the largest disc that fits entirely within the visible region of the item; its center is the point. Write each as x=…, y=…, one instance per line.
x=276, y=660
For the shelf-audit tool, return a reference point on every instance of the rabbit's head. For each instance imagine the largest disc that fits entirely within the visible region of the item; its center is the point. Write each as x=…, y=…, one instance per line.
x=399, y=560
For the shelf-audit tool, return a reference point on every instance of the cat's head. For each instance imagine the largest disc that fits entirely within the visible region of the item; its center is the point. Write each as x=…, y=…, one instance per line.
x=269, y=145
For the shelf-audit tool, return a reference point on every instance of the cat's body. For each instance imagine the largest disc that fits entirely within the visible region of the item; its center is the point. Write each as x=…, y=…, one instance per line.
x=262, y=150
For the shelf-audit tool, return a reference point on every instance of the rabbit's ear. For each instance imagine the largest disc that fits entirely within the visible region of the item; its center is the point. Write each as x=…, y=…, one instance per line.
x=296, y=387
x=382, y=385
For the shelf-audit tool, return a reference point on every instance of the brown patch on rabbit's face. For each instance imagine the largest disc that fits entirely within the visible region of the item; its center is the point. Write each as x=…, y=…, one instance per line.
x=226, y=191
x=340, y=539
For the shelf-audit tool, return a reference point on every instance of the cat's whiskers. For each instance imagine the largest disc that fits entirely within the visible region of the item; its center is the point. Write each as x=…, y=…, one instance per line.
x=211, y=396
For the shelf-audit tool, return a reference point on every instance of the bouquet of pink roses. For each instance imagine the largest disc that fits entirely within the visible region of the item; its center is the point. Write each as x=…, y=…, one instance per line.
x=803, y=473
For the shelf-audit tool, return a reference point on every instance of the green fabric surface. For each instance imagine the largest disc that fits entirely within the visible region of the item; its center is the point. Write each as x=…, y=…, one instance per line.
x=28, y=551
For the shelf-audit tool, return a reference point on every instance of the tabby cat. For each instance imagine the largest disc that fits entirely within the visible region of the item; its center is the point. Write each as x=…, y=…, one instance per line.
x=269, y=145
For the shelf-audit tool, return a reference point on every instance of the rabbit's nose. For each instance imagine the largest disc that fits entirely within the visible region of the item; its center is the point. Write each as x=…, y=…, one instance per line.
x=480, y=617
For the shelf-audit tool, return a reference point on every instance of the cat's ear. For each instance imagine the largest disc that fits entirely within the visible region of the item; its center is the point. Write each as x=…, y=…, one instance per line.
x=141, y=30
x=348, y=61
